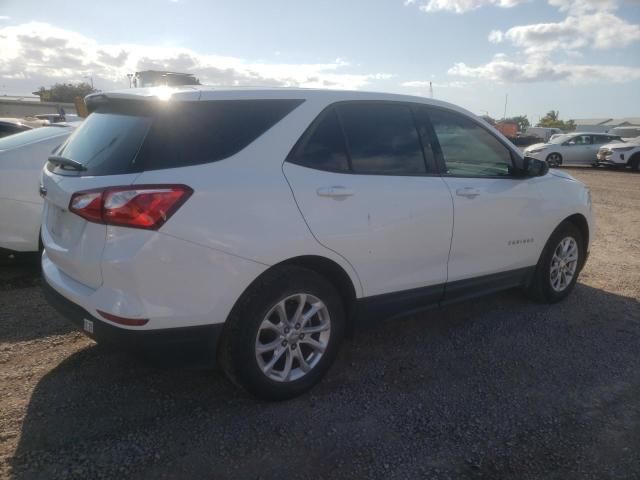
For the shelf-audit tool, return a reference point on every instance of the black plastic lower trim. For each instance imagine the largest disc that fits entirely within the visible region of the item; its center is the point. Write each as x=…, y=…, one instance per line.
x=201, y=340
x=406, y=302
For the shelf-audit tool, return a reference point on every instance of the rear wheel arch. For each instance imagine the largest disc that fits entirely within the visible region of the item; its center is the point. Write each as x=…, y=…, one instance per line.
x=330, y=270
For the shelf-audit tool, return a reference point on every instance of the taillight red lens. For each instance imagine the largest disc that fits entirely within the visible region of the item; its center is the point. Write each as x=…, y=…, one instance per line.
x=139, y=206
x=88, y=205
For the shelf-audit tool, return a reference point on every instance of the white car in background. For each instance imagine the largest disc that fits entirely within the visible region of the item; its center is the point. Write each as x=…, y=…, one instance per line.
x=627, y=133
x=620, y=154
x=571, y=148
x=22, y=157
x=262, y=224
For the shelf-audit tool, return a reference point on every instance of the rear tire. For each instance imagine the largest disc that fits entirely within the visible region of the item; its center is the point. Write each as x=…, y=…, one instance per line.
x=557, y=270
x=635, y=162
x=274, y=345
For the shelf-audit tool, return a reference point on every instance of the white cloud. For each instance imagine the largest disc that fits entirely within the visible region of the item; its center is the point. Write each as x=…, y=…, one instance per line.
x=4, y=17
x=599, y=30
x=461, y=6
x=496, y=36
x=39, y=54
x=541, y=69
x=584, y=5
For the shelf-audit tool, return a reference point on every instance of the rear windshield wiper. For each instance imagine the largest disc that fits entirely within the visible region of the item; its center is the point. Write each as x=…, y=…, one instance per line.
x=65, y=162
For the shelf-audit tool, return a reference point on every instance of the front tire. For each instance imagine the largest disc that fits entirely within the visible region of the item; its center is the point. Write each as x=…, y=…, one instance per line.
x=284, y=334
x=554, y=159
x=559, y=266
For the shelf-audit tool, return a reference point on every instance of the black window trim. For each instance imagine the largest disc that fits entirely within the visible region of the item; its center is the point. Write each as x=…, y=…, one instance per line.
x=437, y=170
x=430, y=171
x=437, y=149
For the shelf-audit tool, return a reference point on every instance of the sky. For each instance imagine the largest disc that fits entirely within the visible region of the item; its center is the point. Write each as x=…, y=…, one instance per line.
x=581, y=57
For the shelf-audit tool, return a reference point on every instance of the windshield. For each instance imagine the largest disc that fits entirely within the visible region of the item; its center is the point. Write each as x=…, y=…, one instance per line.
x=560, y=139
x=106, y=142
x=31, y=136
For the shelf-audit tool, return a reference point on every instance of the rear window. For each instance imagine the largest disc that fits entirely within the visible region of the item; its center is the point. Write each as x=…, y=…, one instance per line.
x=31, y=136
x=139, y=137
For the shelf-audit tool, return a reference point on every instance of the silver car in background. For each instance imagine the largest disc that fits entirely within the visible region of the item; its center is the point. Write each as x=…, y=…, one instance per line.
x=578, y=148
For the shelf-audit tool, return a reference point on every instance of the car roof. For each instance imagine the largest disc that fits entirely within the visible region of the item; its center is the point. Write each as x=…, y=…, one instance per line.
x=208, y=93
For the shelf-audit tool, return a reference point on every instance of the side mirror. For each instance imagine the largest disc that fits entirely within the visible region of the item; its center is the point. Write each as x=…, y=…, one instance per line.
x=534, y=167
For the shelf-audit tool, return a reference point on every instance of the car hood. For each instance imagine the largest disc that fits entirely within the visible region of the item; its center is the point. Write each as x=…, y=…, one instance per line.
x=536, y=145
x=561, y=174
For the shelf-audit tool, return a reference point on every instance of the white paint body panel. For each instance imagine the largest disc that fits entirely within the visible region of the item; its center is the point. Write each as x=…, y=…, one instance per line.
x=252, y=210
x=395, y=231
x=20, y=202
x=504, y=211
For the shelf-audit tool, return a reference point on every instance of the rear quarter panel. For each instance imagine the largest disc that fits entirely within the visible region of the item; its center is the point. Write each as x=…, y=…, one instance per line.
x=244, y=206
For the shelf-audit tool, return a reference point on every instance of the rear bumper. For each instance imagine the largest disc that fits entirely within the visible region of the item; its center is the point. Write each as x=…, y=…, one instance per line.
x=200, y=341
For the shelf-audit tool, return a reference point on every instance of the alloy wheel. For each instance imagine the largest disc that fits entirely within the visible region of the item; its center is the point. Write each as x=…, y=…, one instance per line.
x=564, y=264
x=293, y=337
x=553, y=160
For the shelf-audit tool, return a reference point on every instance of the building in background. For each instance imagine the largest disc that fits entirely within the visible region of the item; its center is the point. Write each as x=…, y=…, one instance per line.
x=595, y=125
x=604, y=125
x=155, y=78
x=21, y=107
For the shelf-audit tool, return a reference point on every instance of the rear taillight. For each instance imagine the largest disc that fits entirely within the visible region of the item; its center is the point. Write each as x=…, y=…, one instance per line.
x=136, y=206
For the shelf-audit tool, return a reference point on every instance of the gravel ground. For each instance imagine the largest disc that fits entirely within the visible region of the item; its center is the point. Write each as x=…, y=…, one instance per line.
x=494, y=388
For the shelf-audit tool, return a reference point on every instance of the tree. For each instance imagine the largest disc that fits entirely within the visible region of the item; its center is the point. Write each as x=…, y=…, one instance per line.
x=66, y=93
x=552, y=120
x=521, y=120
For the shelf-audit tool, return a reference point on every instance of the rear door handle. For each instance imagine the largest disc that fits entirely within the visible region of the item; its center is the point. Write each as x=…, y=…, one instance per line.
x=468, y=192
x=335, y=191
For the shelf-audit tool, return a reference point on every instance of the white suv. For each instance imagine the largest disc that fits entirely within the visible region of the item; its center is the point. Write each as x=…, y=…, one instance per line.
x=261, y=225
x=620, y=154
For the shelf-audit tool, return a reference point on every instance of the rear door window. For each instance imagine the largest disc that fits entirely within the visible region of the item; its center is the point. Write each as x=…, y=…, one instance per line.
x=119, y=139
x=382, y=139
x=322, y=147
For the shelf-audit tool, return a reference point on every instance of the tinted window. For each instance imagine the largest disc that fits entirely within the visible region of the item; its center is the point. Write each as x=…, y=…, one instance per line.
x=382, y=139
x=106, y=143
x=31, y=136
x=581, y=140
x=6, y=130
x=123, y=139
x=467, y=148
x=599, y=139
x=323, y=146
x=209, y=131
x=423, y=122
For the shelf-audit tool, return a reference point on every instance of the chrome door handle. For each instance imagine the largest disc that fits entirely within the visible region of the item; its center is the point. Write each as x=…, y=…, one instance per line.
x=468, y=192
x=335, y=191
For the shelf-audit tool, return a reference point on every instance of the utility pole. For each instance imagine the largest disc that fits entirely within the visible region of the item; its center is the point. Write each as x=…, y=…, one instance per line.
x=506, y=98
x=430, y=89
